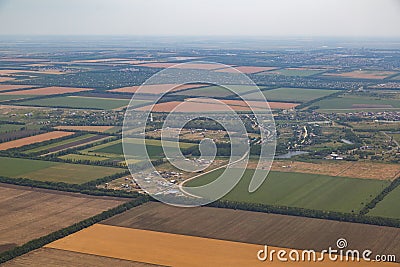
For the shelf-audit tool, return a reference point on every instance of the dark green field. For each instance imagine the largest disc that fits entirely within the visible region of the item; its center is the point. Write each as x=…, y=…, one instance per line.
x=80, y=102
x=301, y=190
x=10, y=127
x=217, y=91
x=53, y=171
x=13, y=97
x=356, y=102
x=389, y=206
x=153, y=150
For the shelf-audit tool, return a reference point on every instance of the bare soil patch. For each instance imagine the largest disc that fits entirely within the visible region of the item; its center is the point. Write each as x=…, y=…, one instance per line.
x=366, y=170
x=48, y=257
x=34, y=139
x=28, y=213
x=6, y=87
x=258, y=228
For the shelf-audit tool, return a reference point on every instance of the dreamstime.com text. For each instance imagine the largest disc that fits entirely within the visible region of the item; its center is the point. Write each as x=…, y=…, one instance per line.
x=331, y=254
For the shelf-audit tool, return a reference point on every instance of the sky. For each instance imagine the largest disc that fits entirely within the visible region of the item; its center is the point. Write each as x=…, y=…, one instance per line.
x=344, y=18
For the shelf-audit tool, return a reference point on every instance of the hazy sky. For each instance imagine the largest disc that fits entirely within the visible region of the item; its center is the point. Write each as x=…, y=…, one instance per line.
x=202, y=17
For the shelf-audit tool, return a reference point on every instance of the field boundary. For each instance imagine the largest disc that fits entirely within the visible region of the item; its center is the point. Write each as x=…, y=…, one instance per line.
x=44, y=240
x=309, y=213
x=393, y=185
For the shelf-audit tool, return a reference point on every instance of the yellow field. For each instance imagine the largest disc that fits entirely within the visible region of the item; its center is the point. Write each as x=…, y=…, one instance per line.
x=34, y=139
x=171, y=249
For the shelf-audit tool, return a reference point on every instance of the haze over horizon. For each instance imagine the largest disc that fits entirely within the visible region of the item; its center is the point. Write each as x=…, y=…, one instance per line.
x=314, y=18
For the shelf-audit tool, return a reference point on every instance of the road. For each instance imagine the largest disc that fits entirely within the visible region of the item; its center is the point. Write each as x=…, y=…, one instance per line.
x=197, y=176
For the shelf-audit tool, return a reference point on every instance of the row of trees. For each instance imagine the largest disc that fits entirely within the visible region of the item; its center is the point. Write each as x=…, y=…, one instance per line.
x=393, y=185
x=87, y=188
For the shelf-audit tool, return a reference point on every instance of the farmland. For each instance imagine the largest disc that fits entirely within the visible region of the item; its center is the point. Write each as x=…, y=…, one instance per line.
x=65, y=144
x=196, y=66
x=294, y=94
x=76, y=157
x=218, y=91
x=389, y=206
x=355, y=102
x=34, y=139
x=48, y=91
x=80, y=102
x=9, y=87
x=53, y=171
x=363, y=74
x=58, y=258
x=4, y=97
x=246, y=69
x=218, y=252
x=207, y=105
x=272, y=229
x=155, y=88
x=154, y=148
x=299, y=72
x=335, y=110
x=303, y=190
x=31, y=213
x=362, y=170
x=100, y=129
x=4, y=128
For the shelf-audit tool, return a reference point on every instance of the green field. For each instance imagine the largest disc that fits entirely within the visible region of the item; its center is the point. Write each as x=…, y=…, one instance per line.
x=217, y=91
x=154, y=148
x=10, y=127
x=81, y=102
x=55, y=144
x=396, y=137
x=75, y=157
x=346, y=102
x=53, y=171
x=13, y=97
x=389, y=206
x=293, y=94
x=301, y=190
x=293, y=72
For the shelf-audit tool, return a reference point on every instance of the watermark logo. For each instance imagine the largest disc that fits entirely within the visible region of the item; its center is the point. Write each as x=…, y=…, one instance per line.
x=330, y=254
x=160, y=111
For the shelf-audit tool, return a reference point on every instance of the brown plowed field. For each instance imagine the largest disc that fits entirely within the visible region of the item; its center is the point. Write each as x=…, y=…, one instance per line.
x=28, y=213
x=259, y=228
x=174, y=250
x=54, y=90
x=155, y=88
x=34, y=139
x=6, y=79
x=374, y=75
x=367, y=170
x=6, y=87
x=48, y=257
